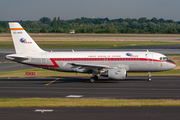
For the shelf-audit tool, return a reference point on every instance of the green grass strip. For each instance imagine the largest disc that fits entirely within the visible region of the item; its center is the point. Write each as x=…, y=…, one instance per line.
x=93, y=35
x=56, y=102
x=50, y=73
x=87, y=44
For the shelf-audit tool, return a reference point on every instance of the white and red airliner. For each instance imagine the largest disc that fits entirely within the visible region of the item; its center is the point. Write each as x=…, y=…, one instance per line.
x=113, y=65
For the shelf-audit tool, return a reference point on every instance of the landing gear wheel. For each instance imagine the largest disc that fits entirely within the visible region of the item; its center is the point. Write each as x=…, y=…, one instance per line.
x=149, y=76
x=92, y=80
x=95, y=77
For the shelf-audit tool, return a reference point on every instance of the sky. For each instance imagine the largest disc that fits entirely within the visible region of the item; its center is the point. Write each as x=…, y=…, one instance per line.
x=11, y=10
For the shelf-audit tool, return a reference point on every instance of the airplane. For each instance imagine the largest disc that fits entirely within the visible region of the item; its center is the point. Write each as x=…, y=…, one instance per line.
x=112, y=64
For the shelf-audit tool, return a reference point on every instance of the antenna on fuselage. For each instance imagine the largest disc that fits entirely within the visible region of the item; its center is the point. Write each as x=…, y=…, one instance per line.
x=147, y=50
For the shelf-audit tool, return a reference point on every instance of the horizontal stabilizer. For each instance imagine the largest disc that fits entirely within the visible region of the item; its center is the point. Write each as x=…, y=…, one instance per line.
x=16, y=57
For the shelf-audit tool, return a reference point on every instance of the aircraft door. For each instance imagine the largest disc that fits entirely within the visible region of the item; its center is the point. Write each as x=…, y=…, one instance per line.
x=44, y=59
x=149, y=58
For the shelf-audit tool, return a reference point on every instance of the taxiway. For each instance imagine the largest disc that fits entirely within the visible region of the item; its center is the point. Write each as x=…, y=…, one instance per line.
x=130, y=88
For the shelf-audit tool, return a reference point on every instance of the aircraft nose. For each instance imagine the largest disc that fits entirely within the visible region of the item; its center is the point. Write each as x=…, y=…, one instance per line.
x=171, y=61
x=172, y=64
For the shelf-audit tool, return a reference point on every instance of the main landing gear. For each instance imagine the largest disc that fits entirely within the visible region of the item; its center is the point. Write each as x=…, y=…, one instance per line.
x=93, y=79
x=149, y=76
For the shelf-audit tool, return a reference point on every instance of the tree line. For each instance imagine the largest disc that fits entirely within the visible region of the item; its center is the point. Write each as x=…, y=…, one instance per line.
x=98, y=25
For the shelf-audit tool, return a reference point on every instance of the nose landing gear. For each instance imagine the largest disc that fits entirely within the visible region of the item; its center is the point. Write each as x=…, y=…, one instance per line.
x=149, y=76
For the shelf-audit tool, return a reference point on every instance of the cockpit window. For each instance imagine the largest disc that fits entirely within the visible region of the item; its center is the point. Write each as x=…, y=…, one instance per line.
x=164, y=58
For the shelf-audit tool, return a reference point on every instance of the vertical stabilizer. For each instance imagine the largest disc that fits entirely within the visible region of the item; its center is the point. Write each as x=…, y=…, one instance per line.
x=23, y=43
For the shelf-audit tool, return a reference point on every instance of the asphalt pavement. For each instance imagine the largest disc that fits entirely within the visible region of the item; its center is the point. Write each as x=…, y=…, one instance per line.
x=63, y=87
x=130, y=88
x=91, y=113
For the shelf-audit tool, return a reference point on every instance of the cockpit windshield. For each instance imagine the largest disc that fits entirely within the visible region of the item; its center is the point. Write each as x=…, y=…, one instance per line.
x=164, y=58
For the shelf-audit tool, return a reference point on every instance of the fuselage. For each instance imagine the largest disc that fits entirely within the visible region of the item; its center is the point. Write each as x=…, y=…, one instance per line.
x=131, y=61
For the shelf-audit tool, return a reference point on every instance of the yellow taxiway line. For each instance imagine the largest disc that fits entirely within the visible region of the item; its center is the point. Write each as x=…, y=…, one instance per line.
x=51, y=82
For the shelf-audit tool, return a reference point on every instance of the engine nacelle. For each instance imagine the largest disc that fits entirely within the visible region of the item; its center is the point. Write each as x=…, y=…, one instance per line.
x=115, y=74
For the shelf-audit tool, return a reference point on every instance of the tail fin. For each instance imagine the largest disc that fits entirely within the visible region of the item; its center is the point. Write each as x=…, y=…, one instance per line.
x=23, y=43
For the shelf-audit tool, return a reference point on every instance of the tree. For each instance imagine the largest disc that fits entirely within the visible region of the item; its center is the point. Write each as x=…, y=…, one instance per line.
x=54, y=23
x=59, y=22
x=4, y=24
x=144, y=25
x=106, y=19
x=34, y=25
x=135, y=25
x=111, y=30
x=142, y=19
x=151, y=24
x=124, y=24
x=152, y=30
x=43, y=30
x=121, y=20
x=161, y=20
x=128, y=20
x=45, y=20
x=98, y=25
x=154, y=19
x=169, y=21
x=1, y=30
x=84, y=29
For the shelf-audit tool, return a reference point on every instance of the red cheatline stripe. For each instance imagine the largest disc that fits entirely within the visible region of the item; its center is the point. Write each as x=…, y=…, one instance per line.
x=99, y=59
x=16, y=29
x=106, y=59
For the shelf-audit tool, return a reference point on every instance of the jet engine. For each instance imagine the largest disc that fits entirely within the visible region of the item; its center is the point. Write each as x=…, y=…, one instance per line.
x=115, y=74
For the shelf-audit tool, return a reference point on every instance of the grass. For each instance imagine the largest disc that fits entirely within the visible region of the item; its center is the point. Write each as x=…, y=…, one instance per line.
x=93, y=35
x=57, y=102
x=49, y=73
x=41, y=73
x=87, y=44
x=164, y=73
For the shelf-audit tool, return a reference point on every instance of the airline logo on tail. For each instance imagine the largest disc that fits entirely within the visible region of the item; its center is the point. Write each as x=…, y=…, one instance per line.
x=22, y=40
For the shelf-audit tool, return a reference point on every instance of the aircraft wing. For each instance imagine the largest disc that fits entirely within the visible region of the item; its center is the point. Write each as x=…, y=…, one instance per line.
x=95, y=67
x=90, y=66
